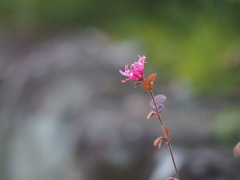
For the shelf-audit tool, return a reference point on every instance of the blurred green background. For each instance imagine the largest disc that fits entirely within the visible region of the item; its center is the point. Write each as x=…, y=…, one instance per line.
x=194, y=39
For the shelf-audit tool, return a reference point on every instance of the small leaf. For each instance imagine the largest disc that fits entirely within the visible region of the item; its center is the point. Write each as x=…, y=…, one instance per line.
x=236, y=150
x=151, y=114
x=148, y=82
x=137, y=84
x=170, y=178
x=166, y=132
x=160, y=107
x=159, y=99
x=158, y=142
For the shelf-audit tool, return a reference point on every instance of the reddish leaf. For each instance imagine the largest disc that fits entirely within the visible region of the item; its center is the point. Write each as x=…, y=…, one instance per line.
x=236, y=150
x=158, y=142
x=137, y=84
x=151, y=114
x=166, y=132
x=170, y=178
x=148, y=82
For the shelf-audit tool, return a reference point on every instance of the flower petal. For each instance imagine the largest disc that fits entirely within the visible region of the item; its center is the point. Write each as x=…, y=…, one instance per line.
x=136, y=70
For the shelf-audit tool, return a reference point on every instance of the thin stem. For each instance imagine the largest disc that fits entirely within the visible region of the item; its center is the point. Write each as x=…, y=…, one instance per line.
x=169, y=142
x=174, y=163
x=152, y=96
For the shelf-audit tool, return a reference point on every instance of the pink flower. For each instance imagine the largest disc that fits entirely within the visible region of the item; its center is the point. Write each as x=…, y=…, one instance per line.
x=136, y=70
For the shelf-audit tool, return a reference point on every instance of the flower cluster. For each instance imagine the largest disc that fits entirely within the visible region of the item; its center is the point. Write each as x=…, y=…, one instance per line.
x=136, y=70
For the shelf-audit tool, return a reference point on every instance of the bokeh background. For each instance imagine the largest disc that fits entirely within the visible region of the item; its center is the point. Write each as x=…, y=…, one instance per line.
x=65, y=115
